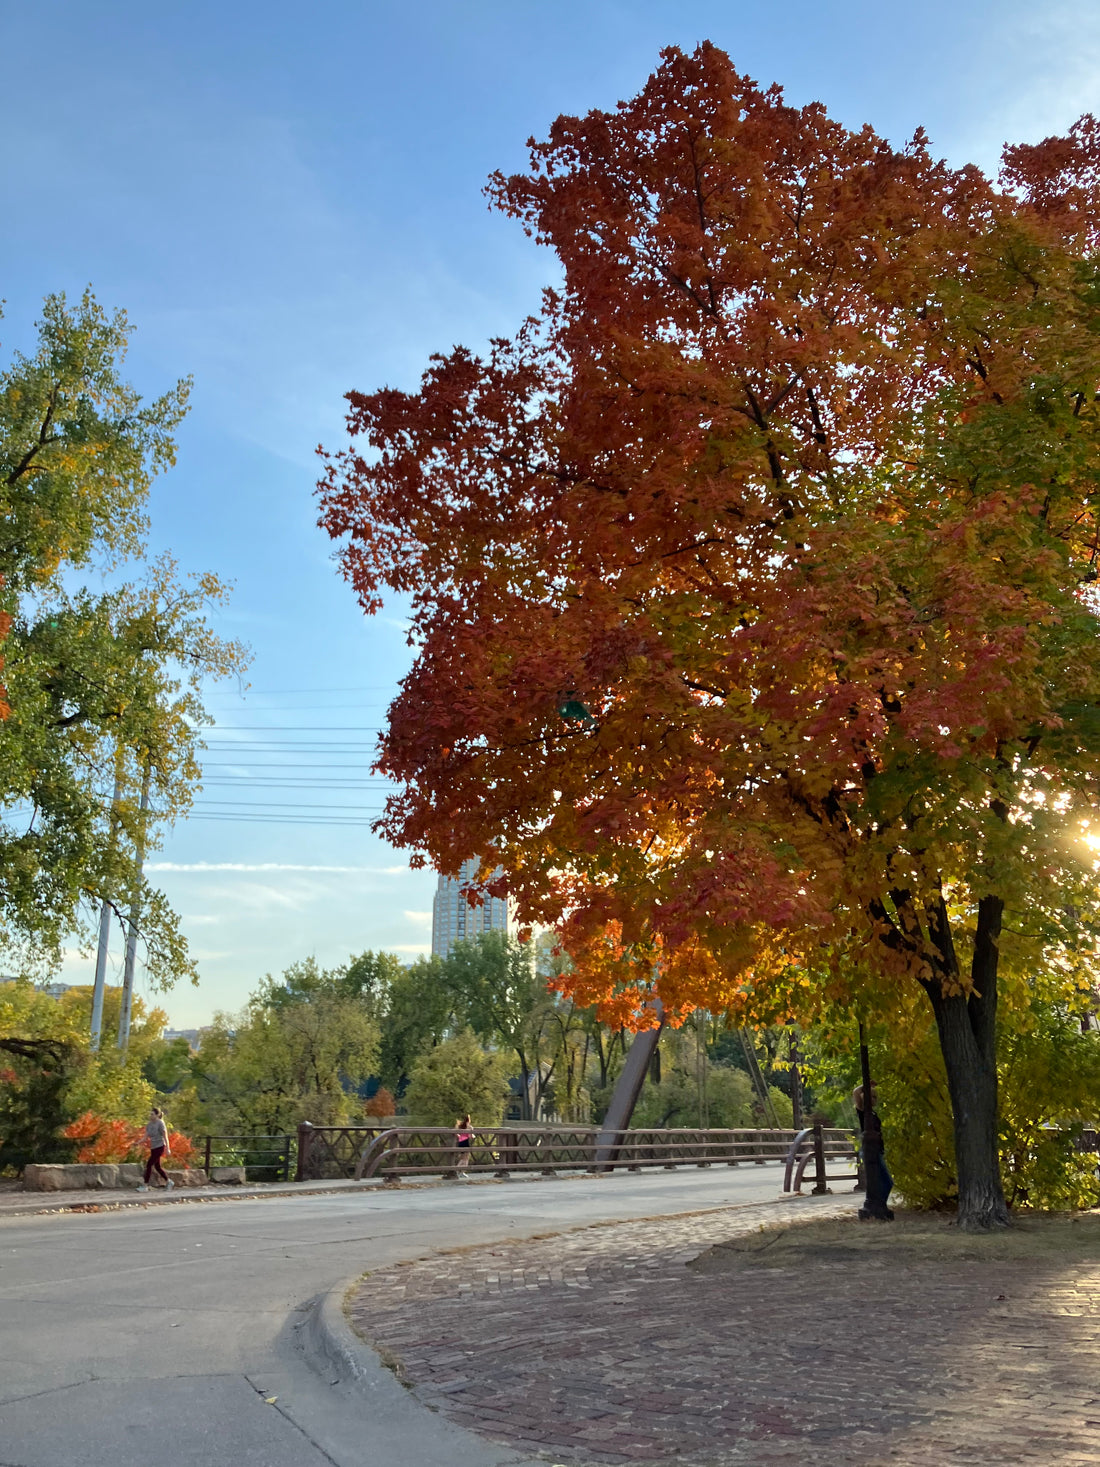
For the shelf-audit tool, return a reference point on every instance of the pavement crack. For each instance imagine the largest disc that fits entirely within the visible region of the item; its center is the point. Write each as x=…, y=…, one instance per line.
x=278, y=1406
x=49, y=1391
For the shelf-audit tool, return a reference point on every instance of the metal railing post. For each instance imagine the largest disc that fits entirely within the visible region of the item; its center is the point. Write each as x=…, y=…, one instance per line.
x=206, y=1157
x=820, y=1184
x=304, y=1129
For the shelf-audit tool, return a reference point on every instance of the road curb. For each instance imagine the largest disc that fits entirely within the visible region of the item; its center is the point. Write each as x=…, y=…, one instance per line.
x=419, y=1433
x=93, y=1201
x=328, y=1336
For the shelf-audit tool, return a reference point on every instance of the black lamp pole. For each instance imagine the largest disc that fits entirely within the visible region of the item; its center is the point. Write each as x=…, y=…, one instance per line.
x=796, y=1082
x=874, y=1203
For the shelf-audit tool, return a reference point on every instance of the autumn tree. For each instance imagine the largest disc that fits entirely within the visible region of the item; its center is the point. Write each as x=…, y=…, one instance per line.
x=751, y=580
x=103, y=676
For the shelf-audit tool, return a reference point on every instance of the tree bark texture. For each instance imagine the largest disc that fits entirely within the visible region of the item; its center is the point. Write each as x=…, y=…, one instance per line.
x=967, y=1026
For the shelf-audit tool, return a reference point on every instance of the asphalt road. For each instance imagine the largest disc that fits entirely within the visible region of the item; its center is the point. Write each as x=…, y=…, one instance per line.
x=171, y=1335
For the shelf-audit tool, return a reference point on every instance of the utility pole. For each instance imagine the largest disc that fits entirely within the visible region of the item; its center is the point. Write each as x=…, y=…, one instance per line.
x=135, y=913
x=104, y=927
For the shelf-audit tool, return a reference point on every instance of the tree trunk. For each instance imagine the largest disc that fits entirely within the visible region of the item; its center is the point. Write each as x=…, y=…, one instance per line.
x=525, y=1081
x=967, y=1031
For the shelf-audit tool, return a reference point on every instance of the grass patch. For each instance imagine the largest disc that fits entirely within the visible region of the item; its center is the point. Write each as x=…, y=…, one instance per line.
x=913, y=1237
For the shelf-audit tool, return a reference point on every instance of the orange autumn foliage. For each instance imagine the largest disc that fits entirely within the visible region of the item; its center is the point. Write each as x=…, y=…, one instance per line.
x=118, y=1141
x=381, y=1105
x=750, y=580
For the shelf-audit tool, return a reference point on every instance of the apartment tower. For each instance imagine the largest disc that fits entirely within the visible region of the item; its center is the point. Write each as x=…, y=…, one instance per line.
x=454, y=920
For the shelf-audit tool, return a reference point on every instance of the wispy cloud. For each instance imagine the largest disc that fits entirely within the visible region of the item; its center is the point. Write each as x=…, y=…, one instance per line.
x=273, y=866
x=418, y=916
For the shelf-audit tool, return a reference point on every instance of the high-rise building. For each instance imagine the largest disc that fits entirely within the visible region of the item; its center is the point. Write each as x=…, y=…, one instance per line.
x=454, y=920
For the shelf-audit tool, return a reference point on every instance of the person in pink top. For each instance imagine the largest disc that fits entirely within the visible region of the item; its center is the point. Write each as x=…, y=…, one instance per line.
x=464, y=1138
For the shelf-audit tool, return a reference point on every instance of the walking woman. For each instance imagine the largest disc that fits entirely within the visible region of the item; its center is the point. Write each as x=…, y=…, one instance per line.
x=156, y=1134
x=463, y=1137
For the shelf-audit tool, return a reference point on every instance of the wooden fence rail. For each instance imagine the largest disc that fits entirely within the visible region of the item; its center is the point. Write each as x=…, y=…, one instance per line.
x=420, y=1150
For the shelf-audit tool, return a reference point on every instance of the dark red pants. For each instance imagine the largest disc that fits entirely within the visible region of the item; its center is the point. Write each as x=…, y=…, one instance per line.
x=153, y=1164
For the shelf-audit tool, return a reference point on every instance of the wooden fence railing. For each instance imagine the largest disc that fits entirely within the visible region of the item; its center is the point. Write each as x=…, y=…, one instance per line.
x=325, y=1152
x=420, y=1150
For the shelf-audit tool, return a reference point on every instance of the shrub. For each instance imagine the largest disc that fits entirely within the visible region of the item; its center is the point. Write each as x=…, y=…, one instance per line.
x=36, y=1075
x=381, y=1105
x=119, y=1140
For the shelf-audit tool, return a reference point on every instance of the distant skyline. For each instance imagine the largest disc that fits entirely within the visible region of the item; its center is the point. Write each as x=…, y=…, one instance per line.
x=287, y=203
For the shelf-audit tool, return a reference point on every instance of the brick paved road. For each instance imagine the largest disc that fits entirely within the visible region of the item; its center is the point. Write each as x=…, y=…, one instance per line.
x=601, y=1346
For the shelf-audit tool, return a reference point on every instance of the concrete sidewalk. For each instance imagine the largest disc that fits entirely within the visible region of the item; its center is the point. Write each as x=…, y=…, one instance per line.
x=14, y=1202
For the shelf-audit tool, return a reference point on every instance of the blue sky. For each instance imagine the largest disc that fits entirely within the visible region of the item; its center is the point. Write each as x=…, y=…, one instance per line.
x=287, y=201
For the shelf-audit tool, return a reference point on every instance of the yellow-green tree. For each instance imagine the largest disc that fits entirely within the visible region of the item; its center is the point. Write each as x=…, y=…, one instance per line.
x=456, y=1078
x=102, y=686
x=49, y=1074
x=297, y=1052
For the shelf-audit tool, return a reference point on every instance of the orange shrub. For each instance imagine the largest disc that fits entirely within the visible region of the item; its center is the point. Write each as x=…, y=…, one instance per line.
x=381, y=1104
x=182, y=1147
x=112, y=1141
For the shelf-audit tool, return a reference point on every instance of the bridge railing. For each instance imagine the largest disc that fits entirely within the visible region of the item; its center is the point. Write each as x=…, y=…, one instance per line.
x=264, y=1158
x=326, y=1152
x=820, y=1145
x=423, y=1150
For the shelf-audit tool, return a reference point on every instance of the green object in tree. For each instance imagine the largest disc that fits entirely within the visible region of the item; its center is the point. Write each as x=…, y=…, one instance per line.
x=572, y=707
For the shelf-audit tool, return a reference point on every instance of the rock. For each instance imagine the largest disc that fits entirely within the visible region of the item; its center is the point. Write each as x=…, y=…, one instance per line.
x=69, y=1177
x=186, y=1176
x=41, y=1178
x=232, y=1176
x=73, y=1176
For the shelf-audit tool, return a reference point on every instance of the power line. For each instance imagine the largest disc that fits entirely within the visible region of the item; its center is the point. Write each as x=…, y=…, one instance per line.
x=294, y=692
x=286, y=743
x=292, y=728
x=248, y=782
x=280, y=764
x=273, y=804
x=283, y=820
x=269, y=746
x=251, y=707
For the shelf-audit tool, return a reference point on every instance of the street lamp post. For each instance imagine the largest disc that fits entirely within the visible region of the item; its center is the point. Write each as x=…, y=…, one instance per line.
x=796, y=1081
x=874, y=1199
